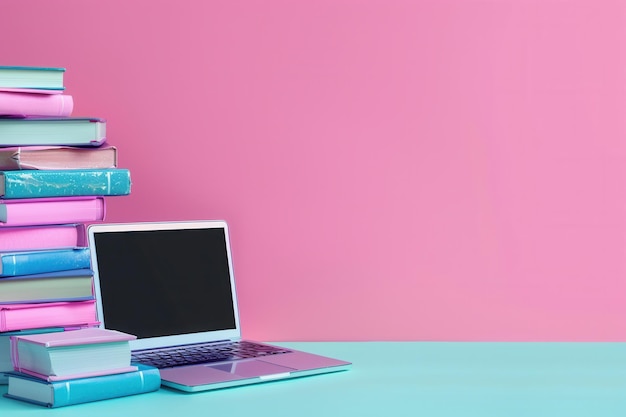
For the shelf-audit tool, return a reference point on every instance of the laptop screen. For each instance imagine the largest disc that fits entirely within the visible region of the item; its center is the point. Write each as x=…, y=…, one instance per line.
x=164, y=281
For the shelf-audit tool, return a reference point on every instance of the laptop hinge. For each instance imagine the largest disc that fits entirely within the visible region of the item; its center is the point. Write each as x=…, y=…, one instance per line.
x=212, y=342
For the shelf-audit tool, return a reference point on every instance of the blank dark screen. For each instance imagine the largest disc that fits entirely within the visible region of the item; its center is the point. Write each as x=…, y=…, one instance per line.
x=165, y=282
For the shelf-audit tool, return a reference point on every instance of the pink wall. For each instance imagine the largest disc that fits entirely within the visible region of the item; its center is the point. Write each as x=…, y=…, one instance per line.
x=449, y=170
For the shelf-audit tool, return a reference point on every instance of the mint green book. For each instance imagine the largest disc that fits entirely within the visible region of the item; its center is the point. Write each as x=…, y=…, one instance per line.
x=52, y=131
x=32, y=78
x=64, y=183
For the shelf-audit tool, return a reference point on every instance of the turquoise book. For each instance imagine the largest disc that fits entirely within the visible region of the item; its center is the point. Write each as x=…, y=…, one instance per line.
x=45, y=131
x=41, y=261
x=64, y=183
x=31, y=78
x=82, y=390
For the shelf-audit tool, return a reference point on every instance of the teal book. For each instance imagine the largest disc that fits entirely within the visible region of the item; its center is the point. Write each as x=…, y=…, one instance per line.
x=64, y=183
x=31, y=78
x=82, y=390
x=57, y=131
x=41, y=261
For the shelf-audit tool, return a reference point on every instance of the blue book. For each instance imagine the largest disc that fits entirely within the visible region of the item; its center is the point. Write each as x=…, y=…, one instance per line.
x=41, y=261
x=6, y=364
x=50, y=287
x=82, y=390
x=64, y=183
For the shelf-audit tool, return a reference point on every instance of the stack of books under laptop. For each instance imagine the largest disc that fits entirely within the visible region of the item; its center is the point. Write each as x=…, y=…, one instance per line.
x=55, y=171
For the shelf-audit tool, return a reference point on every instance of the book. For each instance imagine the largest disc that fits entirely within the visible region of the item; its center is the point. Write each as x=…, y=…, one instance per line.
x=41, y=211
x=21, y=104
x=6, y=363
x=73, y=354
x=55, y=314
x=77, y=391
x=48, y=287
x=57, y=157
x=31, y=90
x=66, y=131
x=64, y=183
x=32, y=77
x=42, y=261
x=42, y=237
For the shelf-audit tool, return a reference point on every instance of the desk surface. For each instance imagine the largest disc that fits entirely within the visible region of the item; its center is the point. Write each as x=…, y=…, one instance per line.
x=406, y=378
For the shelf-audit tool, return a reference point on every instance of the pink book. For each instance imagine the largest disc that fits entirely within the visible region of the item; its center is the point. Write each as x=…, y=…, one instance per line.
x=86, y=336
x=95, y=352
x=22, y=104
x=42, y=237
x=40, y=211
x=57, y=157
x=51, y=378
x=34, y=316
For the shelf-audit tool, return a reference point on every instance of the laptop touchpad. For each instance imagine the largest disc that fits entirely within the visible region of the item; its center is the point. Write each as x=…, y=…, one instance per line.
x=252, y=368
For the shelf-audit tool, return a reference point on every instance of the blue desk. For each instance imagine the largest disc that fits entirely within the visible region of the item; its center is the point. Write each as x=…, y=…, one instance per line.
x=408, y=379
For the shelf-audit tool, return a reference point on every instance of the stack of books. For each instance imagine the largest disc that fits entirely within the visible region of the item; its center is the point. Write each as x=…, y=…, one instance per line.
x=64, y=368
x=55, y=172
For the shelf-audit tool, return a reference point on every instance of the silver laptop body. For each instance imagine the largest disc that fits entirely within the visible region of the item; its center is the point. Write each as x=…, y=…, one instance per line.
x=172, y=285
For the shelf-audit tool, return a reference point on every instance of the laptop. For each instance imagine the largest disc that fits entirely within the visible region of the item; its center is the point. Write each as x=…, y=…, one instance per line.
x=171, y=284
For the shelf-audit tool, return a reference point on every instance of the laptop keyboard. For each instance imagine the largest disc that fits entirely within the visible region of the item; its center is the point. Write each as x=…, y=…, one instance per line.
x=204, y=353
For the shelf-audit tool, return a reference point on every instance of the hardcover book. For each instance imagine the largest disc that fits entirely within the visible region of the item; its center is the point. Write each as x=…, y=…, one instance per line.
x=6, y=364
x=42, y=131
x=42, y=261
x=18, y=104
x=64, y=183
x=49, y=287
x=37, y=315
x=57, y=157
x=72, y=354
x=77, y=391
x=41, y=211
x=32, y=77
x=31, y=90
x=42, y=237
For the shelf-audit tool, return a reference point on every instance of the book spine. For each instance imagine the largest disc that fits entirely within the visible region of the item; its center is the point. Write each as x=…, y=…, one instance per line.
x=61, y=314
x=65, y=183
x=42, y=237
x=78, y=391
x=83, y=390
x=25, y=104
x=6, y=363
x=37, y=262
x=47, y=211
